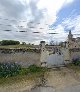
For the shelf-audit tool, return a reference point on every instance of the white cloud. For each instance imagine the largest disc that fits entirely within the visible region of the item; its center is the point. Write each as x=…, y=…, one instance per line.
x=52, y=7
x=71, y=23
x=69, y=1
x=41, y=11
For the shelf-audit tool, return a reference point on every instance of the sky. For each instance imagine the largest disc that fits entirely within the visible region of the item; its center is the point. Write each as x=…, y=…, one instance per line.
x=32, y=21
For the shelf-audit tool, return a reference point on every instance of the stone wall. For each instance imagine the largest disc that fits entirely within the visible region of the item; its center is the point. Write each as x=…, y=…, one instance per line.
x=23, y=58
x=66, y=55
x=74, y=54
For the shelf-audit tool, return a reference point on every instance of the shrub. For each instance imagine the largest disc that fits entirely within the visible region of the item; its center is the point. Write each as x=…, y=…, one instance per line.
x=76, y=62
x=13, y=69
x=23, y=71
x=34, y=69
x=9, y=69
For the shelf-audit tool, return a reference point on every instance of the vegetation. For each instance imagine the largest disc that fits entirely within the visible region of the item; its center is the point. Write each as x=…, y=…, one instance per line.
x=9, y=69
x=13, y=73
x=9, y=42
x=76, y=62
x=52, y=43
x=13, y=69
x=12, y=80
x=32, y=70
x=75, y=66
x=13, y=46
x=26, y=46
x=23, y=43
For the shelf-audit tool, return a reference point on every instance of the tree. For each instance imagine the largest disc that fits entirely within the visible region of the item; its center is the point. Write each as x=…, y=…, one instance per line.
x=23, y=43
x=51, y=42
x=9, y=42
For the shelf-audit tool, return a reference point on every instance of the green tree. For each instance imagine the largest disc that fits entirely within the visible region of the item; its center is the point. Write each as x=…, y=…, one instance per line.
x=9, y=42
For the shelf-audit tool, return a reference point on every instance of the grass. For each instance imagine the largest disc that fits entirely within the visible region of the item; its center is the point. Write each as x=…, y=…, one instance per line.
x=74, y=67
x=31, y=73
x=11, y=80
x=26, y=47
x=14, y=46
x=20, y=78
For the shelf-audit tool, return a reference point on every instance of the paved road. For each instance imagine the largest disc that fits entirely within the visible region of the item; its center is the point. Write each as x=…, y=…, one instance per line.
x=51, y=89
x=43, y=89
x=70, y=89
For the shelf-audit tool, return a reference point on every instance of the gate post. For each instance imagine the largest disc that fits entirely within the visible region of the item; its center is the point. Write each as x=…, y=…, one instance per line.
x=43, y=54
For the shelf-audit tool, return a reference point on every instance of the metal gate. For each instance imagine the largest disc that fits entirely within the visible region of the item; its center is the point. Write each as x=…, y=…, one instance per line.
x=55, y=60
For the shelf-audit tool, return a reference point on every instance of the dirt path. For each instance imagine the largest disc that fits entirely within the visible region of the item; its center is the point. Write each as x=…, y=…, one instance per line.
x=18, y=87
x=61, y=78
x=56, y=78
x=74, y=74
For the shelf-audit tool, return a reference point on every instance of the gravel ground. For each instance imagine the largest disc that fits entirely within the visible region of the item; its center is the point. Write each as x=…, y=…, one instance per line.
x=62, y=80
x=18, y=87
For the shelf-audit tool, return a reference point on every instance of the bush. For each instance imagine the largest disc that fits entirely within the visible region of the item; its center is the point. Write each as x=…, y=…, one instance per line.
x=23, y=71
x=9, y=69
x=13, y=69
x=34, y=69
x=76, y=62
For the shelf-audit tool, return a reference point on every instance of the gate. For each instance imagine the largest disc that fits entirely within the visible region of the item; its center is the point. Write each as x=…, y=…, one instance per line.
x=55, y=60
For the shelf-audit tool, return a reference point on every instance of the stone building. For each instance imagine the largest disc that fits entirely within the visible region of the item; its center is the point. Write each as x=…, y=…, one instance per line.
x=58, y=55
x=74, y=47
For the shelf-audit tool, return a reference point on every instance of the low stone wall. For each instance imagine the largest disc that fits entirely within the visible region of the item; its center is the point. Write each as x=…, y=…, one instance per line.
x=23, y=58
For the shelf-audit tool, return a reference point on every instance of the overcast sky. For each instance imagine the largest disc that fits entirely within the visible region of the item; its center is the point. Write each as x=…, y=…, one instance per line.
x=32, y=20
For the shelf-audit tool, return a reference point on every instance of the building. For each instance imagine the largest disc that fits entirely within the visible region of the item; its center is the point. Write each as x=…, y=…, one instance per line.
x=58, y=55
x=74, y=47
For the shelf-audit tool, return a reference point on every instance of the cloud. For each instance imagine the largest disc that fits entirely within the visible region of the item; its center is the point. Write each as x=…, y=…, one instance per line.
x=36, y=13
x=72, y=23
x=11, y=8
x=41, y=12
x=52, y=7
x=68, y=1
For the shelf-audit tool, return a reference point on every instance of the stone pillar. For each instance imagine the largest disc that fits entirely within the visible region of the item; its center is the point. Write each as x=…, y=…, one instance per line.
x=43, y=54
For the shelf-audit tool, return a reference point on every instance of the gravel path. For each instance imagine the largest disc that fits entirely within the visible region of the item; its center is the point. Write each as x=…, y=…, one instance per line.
x=62, y=79
x=58, y=80
x=18, y=87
